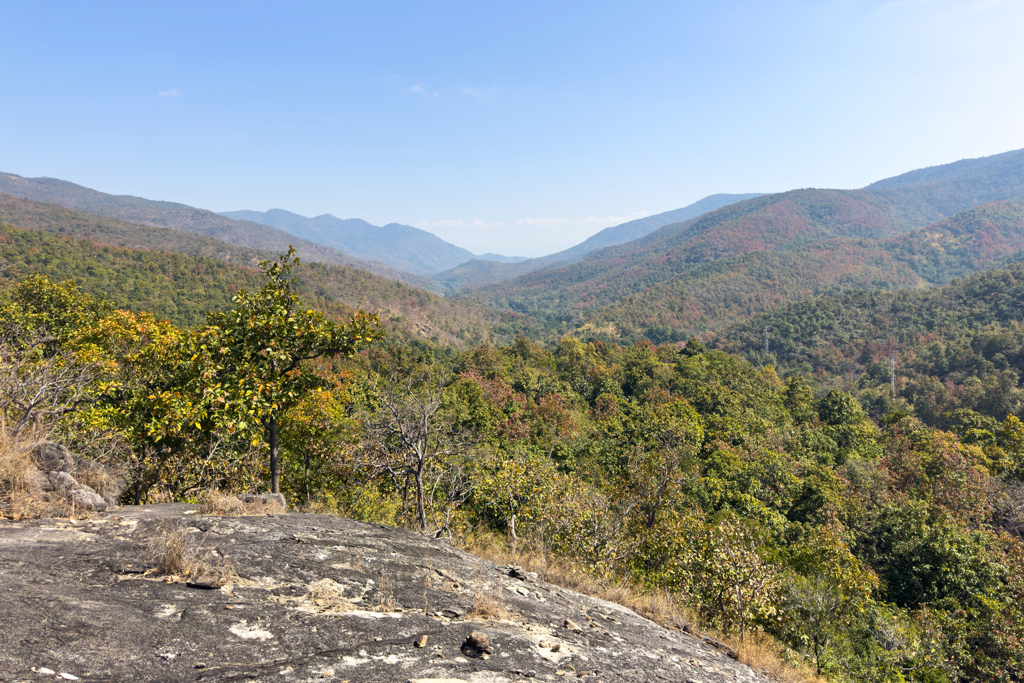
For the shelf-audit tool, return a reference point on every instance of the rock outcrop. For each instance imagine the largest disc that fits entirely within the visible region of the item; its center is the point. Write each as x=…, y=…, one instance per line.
x=58, y=472
x=296, y=597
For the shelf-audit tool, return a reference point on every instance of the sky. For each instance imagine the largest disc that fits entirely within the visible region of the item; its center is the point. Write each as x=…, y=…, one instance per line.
x=513, y=127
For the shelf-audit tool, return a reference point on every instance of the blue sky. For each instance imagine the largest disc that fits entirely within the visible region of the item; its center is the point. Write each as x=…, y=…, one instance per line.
x=518, y=127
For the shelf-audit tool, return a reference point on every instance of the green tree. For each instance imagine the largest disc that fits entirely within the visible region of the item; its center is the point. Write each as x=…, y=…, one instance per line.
x=245, y=368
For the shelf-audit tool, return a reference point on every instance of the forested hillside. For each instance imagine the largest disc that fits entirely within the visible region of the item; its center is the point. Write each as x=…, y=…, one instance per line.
x=172, y=286
x=858, y=549
x=962, y=244
x=855, y=238
x=178, y=276
x=481, y=272
x=951, y=347
x=184, y=218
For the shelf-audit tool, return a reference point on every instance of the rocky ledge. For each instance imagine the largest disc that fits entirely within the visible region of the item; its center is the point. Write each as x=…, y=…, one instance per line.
x=296, y=597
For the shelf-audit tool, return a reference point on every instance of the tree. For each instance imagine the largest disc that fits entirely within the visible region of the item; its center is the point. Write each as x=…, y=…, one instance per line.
x=43, y=375
x=245, y=368
x=410, y=432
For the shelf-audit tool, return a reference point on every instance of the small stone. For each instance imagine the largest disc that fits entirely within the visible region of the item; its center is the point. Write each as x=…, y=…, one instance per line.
x=572, y=626
x=46, y=672
x=69, y=677
x=205, y=580
x=422, y=642
x=327, y=674
x=229, y=607
x=556, y=647
x=451, y=612
x=200, y=665
x=517, y=573
x=479, y=642
x=167, y=656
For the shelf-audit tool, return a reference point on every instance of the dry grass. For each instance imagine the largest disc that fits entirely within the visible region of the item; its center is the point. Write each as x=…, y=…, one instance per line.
x=761, y=653
x=222, y=504
x=177, y=554
x=487, y=606
x=328, y=595
x=758, y=651
x=660, y=606
x=385, y=598
x=99, y=478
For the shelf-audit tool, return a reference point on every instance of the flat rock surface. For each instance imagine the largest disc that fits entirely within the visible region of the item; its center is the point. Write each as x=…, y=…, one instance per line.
x=307, y=597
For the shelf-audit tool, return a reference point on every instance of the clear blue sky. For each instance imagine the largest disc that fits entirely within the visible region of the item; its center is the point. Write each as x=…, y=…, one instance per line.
x=519, y=127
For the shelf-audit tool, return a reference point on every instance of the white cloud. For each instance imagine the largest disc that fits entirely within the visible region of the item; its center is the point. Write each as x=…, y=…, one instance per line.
x=419, y=90
x=169, y=93
x=479, y=92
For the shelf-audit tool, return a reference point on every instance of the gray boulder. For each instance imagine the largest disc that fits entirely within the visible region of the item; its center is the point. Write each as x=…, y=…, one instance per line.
x=53, y=457
x=85, y=497
x=59, y=471
x=61, y=481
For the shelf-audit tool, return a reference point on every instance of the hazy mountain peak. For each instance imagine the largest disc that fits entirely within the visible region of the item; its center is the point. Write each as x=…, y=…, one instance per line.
x=395, y=244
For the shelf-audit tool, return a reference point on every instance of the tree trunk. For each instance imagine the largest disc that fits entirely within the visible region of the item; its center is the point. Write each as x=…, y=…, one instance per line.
x=275, y=463
x=23, y=421
x=306, y=474
x=512, y=531
x=421, y=508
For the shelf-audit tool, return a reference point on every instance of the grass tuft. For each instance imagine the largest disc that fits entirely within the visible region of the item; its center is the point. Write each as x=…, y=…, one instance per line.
x=178, y=555
x=218, y=503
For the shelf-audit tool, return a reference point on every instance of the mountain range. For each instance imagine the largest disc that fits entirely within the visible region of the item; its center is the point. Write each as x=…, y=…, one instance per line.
x=395, y=251
x=400, y=246
x=184, y=218
x=479, y=272
x=701, y=274
x=695, y=270
x=178, y=275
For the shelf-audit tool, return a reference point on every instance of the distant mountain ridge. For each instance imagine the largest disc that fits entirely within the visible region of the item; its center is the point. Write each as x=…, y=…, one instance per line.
x=1007, y=162
x=684, y=275
x=478, y=273
x=400, y=246
x=184, y=218
x=181, y=275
